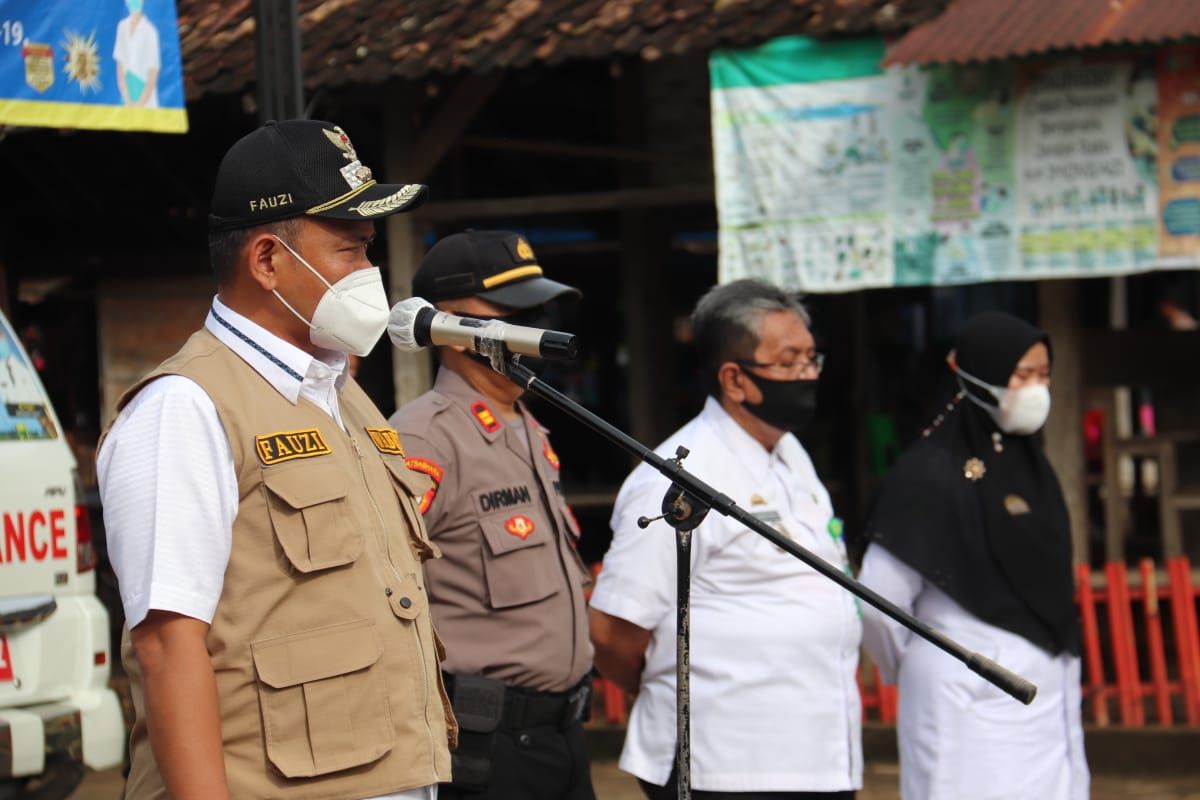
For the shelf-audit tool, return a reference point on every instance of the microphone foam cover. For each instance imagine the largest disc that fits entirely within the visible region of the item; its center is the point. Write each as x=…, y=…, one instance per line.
x=402, y=323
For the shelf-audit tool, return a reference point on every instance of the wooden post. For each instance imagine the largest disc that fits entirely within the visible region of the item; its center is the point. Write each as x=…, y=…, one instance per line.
x=643, y=256
x=411, y=158
x=412, y=373
x=1058, y=304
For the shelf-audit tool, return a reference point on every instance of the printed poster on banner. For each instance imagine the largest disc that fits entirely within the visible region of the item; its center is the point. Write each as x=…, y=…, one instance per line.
x=803, y=168
x=835, y=175
x=1088, y=166
x=1179, y=152
x=102, y=64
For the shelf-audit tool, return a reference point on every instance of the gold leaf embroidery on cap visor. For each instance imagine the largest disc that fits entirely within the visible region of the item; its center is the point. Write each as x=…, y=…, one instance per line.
x=384, y=205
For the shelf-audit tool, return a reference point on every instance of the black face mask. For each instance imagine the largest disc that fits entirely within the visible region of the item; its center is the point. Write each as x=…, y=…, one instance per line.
x=786, y=405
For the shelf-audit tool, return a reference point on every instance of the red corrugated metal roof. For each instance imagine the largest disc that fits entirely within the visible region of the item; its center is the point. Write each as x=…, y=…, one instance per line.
x=368, y=41
x=981, y=30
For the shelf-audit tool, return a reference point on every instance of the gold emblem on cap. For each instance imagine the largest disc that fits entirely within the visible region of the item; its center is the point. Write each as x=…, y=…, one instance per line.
x=974, y=469
x=524, y=251
x=341, y=141
x=757, y=500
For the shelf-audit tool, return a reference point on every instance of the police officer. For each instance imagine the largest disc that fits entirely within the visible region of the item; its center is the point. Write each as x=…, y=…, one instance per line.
x=507, y=594
x=261, y=520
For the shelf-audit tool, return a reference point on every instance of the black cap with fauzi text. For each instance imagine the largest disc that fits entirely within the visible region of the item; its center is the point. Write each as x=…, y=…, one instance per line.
x=301, y=167
x=498, y=266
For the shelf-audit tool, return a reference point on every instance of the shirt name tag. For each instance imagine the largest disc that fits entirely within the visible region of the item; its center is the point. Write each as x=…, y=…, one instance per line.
x=286, y=445
x=386, y=440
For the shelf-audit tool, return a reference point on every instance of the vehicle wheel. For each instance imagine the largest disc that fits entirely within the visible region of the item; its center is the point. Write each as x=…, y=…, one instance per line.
x=61, y=777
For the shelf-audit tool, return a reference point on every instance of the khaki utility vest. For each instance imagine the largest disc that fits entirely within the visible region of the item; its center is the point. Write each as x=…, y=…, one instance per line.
x=326, y=661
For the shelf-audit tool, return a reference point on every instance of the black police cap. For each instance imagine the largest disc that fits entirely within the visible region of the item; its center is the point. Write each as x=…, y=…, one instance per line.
x=498, y=266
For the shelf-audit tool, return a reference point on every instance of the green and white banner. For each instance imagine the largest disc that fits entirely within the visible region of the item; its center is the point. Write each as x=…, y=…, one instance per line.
x=833, y=174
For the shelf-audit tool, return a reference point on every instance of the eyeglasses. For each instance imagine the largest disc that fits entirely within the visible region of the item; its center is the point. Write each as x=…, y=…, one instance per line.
x=790, y=369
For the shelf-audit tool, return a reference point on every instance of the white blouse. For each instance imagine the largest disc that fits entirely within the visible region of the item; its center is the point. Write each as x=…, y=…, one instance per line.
x=960, y=736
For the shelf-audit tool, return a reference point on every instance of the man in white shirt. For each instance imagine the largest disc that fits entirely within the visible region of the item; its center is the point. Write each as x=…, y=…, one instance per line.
x=774, y=702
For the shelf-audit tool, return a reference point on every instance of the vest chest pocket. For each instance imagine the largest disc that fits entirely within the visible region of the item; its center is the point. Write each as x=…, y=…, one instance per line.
x=519, y=559
x=311, y=516
x=324, y=699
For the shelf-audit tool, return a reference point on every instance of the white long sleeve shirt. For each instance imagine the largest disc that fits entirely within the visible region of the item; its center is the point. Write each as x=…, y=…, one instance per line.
x=774, y=702
x=959, y=736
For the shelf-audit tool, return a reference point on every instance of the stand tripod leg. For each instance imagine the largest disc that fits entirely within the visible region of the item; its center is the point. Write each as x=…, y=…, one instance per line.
x=683, y=655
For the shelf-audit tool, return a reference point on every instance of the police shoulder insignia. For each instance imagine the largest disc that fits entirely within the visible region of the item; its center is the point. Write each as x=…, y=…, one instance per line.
x=286, y=445
x=551, y=456
x=520, y=526
x=386, y=440
x=484, y=416
x=434, y=471
x=426, y=467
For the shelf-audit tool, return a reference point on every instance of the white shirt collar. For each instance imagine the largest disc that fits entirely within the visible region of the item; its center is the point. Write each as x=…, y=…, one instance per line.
x=747, y=451
x=282, y=364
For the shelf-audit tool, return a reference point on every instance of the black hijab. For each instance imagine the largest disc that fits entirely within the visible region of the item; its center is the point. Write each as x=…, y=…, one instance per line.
x=979, y=513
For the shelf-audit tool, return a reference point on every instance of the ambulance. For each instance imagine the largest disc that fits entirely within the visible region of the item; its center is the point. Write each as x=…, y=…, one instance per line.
x=57, y=712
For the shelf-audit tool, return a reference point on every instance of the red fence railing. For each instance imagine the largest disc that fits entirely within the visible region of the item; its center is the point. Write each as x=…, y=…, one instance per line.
x=1130, y=629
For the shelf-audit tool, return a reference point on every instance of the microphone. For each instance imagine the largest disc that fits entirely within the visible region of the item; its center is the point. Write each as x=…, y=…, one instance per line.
x=414, y=324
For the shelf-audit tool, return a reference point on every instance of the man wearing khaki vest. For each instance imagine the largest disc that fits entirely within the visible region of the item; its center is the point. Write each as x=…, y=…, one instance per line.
x=507, y=594
x=260, y=516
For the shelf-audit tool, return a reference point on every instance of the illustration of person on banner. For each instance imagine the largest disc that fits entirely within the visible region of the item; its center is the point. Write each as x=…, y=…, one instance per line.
x=137, y=55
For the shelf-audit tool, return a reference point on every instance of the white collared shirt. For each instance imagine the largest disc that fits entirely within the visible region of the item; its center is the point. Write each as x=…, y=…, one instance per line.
x=774, y=702
x=169, y=520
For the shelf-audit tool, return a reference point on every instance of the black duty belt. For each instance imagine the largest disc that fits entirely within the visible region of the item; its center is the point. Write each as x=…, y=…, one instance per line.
x=522, y=708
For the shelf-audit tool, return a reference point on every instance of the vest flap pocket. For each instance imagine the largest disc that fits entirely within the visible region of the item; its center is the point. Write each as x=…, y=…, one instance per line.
x=318, y=654
x=517, y=564
x=304, y=484
x=311, y=516
x=324, y=699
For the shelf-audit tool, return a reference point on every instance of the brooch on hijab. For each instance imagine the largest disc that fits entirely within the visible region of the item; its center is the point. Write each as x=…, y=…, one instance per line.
x=974, y=469
x=1015, y=505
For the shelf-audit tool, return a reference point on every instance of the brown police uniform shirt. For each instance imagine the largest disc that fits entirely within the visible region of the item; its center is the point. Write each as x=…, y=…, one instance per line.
x=507, y=594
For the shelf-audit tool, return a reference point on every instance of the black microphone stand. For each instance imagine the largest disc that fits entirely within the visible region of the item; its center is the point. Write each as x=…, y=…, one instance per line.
x=684, y=506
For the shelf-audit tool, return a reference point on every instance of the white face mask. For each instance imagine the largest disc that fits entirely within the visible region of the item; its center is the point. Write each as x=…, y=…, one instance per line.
x=351, y=315
x=1021, y=412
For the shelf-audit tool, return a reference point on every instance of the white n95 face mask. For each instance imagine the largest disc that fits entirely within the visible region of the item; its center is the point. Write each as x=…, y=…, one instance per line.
x=351, y=315
x=1020, y=412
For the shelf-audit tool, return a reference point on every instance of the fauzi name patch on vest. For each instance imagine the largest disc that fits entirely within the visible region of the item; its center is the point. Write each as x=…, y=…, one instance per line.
x=386, y=440
x=286, y=445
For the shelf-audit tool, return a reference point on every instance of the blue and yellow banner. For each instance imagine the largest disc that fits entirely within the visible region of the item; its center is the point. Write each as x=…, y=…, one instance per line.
x=100, y=64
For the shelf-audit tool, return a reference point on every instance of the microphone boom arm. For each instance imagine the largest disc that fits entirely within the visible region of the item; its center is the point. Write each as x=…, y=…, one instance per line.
x=700, y=492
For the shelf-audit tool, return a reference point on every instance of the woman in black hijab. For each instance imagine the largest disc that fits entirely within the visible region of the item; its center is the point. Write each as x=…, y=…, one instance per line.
x=970, y=532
